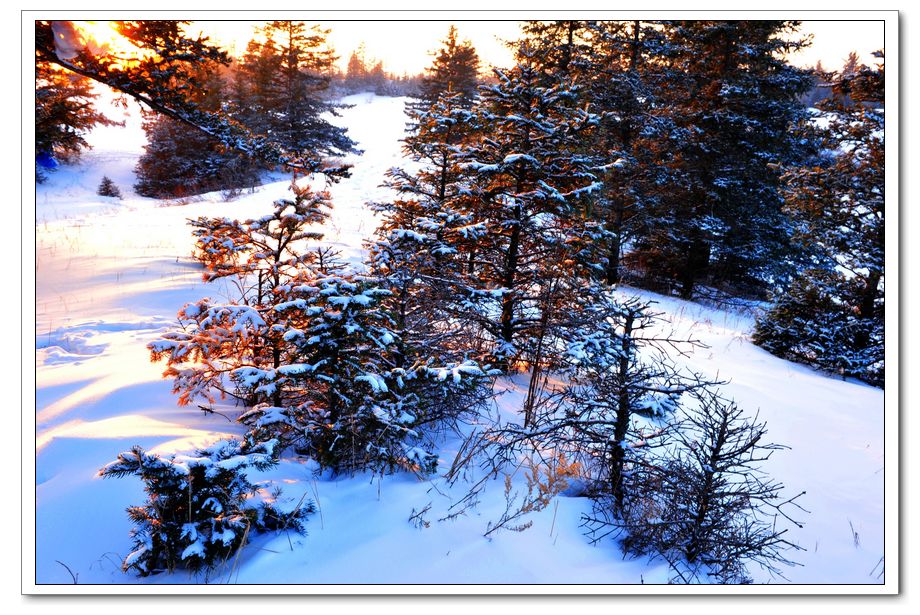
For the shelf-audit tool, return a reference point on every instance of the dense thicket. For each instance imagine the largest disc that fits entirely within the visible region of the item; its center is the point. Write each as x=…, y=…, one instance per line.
x=832, y=316
x=179, y=162
x=729, y=104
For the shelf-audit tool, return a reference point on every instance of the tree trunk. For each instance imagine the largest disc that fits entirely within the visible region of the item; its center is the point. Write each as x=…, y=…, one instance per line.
x=613, y=256
x=511, y=263
x=621, y=425
x=866, y=309
x=696, y=262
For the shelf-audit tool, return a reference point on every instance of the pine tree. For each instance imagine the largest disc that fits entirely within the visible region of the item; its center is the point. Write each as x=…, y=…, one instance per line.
x=161, y=75
x=309, y=347
x=200, y=510
x=625, y=70
x=719, y=217
x=525, y=194
x=455, y=68
x=356, y=72
x=64, y=113
x=839, y=201
x=108, y=188
x=178, y=162
x=281, y=82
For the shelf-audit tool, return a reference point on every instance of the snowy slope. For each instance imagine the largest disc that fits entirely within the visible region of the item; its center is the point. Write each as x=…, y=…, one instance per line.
x=111, y=276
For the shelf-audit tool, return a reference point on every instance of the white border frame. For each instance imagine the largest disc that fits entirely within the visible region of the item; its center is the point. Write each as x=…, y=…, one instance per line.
x=893, y=424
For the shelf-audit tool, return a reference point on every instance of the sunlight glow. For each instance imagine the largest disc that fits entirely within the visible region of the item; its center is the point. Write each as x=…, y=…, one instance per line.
x=405, y=46
x=103, y=36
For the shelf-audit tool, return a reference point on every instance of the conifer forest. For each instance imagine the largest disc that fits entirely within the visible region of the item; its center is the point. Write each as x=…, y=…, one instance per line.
x=604, y=307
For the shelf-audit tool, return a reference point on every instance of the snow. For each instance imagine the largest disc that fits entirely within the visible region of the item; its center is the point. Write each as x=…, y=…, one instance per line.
x=111, y=277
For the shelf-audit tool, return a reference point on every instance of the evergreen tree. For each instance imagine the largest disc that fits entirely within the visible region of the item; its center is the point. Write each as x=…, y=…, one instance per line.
x=178, y=162
x=309, y=347
x=254, y=95
x=64, y=113
x=719, y=217
x=625, y=70
x=162, y=74
x=619, y=390
x=200, y=509
x=525, y=194
x=851, y=66
x=356, y=75
x=839, y=202
x=281, y=85
x=303, y=76
x=108, y=188
x=415, y=250
x=259, y=256
x=455, y=68
x=377, y=79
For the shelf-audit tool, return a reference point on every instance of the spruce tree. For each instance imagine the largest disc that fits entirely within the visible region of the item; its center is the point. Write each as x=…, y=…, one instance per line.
x=281, y=84
x=258, y=256
x=308, y=347
x=415, y=251
x=254, y=95
x=356, y=75
x=525, y=192
x=301, y=80
x=108, y=188
x=839, y=203
x=625, y=71
x=200, y=510
x=618, y=391
x=178, y=162
x=64, y=113
x=730, y=107
x=161, y=75
x=455, y=68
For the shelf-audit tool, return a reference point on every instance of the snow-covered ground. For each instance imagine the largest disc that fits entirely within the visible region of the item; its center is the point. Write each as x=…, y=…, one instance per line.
x=110, y=277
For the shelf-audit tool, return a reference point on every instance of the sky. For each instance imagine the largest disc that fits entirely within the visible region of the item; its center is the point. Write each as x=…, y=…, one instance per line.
x=405, y=46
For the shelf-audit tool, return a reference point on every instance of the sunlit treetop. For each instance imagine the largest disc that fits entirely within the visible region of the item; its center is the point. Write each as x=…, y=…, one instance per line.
x=155, y=63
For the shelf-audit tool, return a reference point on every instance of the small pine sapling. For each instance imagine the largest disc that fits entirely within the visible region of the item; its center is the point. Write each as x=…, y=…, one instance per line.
x=200, y=510
x=108, y=188
x=612, y=355
x=706, y=507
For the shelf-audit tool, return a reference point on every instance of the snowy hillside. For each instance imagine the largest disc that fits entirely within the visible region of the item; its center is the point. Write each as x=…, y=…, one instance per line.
x=110, y=277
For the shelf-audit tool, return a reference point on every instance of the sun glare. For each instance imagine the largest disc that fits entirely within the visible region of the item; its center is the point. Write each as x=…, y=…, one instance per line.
x=104, y=36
